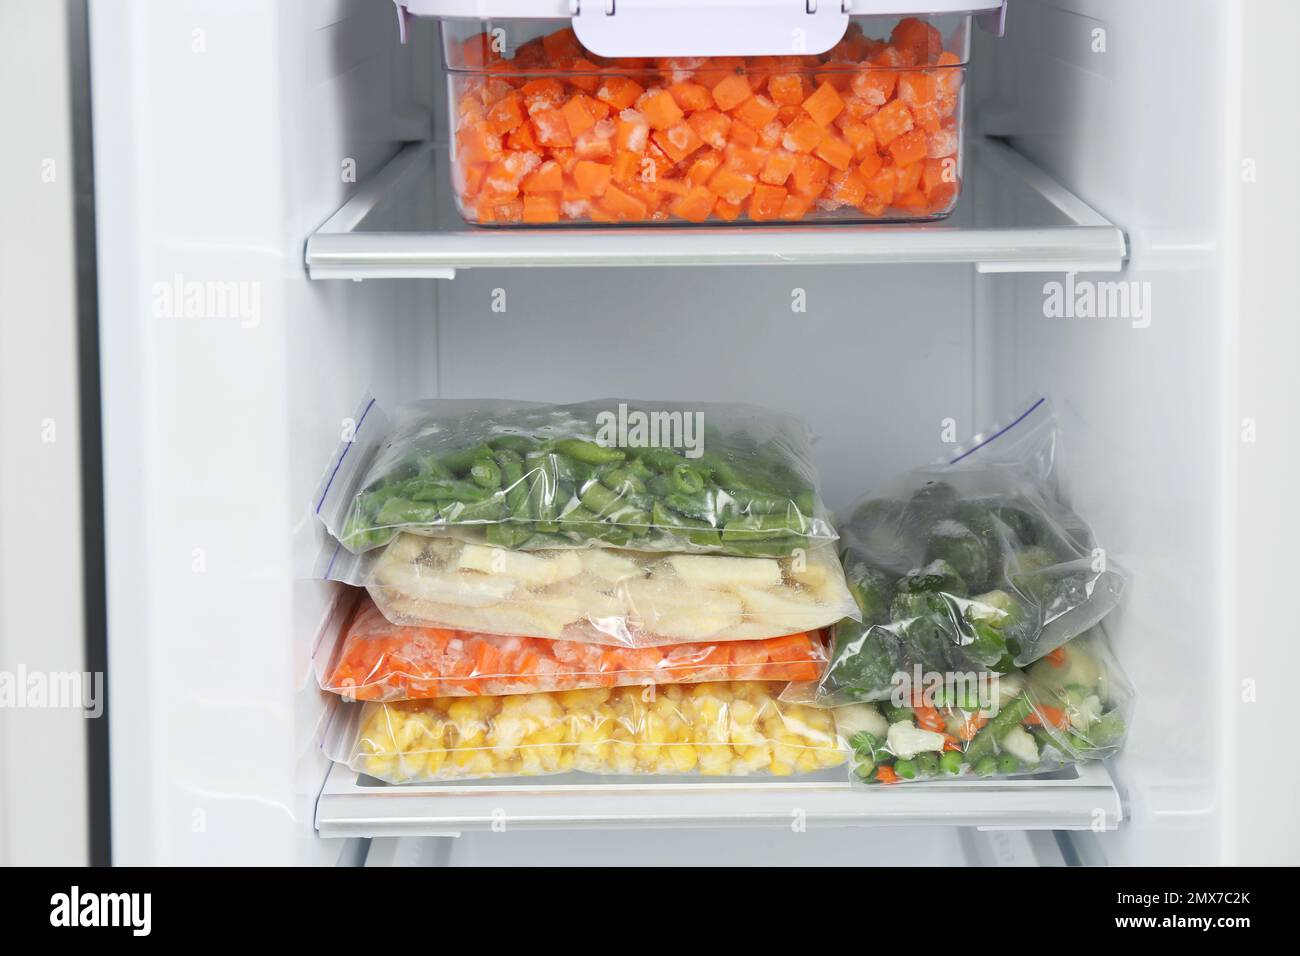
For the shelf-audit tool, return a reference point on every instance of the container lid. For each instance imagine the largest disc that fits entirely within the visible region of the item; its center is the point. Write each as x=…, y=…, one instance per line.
x=638, y=28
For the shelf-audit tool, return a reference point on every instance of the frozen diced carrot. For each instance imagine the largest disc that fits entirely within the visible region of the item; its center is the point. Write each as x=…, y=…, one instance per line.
x=913, y=201
x=909, y=148
x=939, y=177
x=803, y=135
x=727, y=211
x=731, y=186
x=795, y=207
x=770, y=136
x=718, y=69
x=541, y=207
x=673, y=187
x=742, y=134
x=941, y=144
x=757, y=111
x=711, y=126
x=952, y=75
x=661, y=110
x=731, y=92
x=778, y=167
x=875, y=86
x=810, y=175
x=655, y=163
x=744, y=159
x=542, y=93
x=849, y=187
x=856, y=108
x=766, y=202
x=576, y=114
x=477, y=144
x=596, y=143
x=591, y=178
x=919, y=38
x=788, y=114
x=695, y=205
x=523, y=139
x=551, y=128
x=871, y=164
x=678, y=141
x=907, y=178
x=584, y=75
x=625, y=165
x=703, y=168
x=860, y=136
x=623, y=206
x=475, y=53
x=546, y=178
x=631, y=131
x=824, y=104
x=880, y=187
x=620, y=92
x=891, y=122
x=835, y=151
x=506, y=114
x=562, y=43
x=691, y=96
x=918, y=89
x=512, y=211
x=786, y=89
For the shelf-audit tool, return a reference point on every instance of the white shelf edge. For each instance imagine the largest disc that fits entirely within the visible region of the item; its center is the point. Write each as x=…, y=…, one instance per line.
x=349, y=808
x=1084, y=242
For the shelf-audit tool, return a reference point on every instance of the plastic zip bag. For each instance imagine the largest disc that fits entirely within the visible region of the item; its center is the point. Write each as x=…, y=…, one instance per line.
x=717, y=729
x=1071, y=706
x=376, y=660
x=728, y=479
x=973, y=565
x=596, y=595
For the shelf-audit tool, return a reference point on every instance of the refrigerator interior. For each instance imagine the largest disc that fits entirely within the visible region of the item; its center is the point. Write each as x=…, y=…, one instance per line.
x=224, y=135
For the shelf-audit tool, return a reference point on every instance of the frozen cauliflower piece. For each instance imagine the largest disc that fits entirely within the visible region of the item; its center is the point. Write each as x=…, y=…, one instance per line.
x=906, y=740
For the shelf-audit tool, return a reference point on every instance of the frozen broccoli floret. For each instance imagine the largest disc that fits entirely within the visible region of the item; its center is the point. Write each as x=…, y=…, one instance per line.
x=873, y=589
x=935, y=576
x=963, y=550
x=925, y=622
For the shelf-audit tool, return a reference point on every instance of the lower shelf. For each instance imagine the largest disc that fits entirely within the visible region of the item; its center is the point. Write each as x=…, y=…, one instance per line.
x=352, y=805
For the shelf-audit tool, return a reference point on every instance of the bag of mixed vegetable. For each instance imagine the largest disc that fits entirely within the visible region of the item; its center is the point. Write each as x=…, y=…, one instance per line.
x=973, y=566
x=723, y=479
x=1071, y=706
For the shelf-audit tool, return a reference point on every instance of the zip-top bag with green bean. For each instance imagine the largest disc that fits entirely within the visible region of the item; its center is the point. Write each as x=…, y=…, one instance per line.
x=646, y=476
x=1073, y=705
x=971, y=565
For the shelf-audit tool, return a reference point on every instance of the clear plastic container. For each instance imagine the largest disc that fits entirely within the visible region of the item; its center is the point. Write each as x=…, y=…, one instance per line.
x=544, y=131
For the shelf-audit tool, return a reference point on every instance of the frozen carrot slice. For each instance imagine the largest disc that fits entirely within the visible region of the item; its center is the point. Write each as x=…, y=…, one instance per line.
x=786, y=89
x=691, y=96
x=695, y=205
x=622, y=205
x=835, y=151
x=731, y=92
x=744, y=159
x=727, y=211
x=703, y=168
x=824, y=104
x=591, y=178
x=757, y=111
x=661, y=110
x=731, y=186
x=810, y=175
x=506, y=114
x=907, y=178
x=803, y=135
x=620, y=92
x=891, y=122
x=711, y=126
x=631, y=131
x=551, y=128
x=546, y=178
x=849, y=188
x=777, y=168
x=576, y=114
x=766, y=202
x=678, y=141
x=477, y=144
x=909, y=148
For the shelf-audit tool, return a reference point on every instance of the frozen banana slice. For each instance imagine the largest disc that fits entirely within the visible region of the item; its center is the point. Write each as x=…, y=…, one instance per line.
x=531, y=568
x=448, y=587
x=609, y=565
x=706, y=570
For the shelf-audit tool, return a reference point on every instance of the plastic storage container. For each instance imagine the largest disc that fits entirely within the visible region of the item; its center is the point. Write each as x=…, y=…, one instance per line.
x=760, y=111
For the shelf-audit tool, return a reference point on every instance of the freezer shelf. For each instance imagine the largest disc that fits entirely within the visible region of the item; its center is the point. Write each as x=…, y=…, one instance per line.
x=1012, y=217
x=353, y=805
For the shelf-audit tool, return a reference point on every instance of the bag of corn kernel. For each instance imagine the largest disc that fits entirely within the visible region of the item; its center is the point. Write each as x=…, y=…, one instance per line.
x=735, y=728
x=378, y=660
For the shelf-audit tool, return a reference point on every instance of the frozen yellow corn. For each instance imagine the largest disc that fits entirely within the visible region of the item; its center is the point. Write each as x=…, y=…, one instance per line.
x=720, y=729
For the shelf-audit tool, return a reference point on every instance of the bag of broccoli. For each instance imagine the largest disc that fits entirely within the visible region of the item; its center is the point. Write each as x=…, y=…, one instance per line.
x=970, y=566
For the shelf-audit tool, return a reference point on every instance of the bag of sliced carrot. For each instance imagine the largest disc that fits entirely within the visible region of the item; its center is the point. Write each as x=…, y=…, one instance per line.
x=377, y=660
